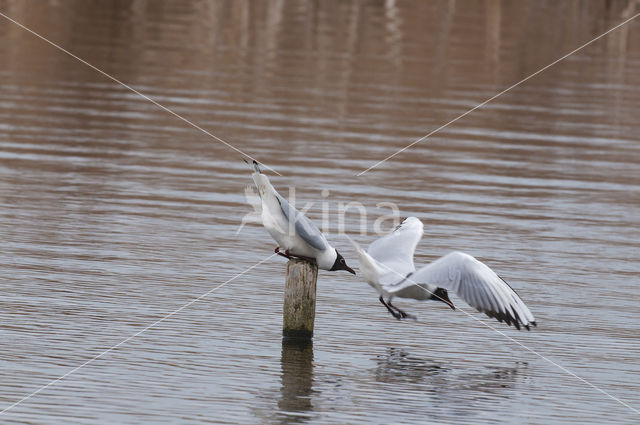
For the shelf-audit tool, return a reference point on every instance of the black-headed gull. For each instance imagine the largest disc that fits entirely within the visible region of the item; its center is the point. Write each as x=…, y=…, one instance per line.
x=293, y=231
x=388, y=266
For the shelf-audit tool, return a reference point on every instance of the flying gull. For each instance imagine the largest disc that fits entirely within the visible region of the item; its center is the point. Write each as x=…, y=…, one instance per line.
x=388, y=267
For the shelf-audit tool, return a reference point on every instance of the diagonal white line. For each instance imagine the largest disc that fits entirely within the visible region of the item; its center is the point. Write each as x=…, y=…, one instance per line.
x=266, y=259
x=495, y=96
x=564, y=369
x=75, y=369
x=144, y=96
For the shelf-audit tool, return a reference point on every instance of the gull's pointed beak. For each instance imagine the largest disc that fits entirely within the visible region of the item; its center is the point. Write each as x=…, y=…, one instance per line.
x=341, y=264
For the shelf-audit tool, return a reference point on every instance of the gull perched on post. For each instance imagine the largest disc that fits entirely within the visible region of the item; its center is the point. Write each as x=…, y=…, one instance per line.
x=293, y=231
x=388, y=267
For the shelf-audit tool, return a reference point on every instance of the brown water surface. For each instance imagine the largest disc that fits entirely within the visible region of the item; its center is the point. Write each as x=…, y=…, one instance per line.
x=115, y=213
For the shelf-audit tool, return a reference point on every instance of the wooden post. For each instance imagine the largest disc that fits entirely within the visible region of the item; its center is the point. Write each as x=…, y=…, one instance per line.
x=299, y=299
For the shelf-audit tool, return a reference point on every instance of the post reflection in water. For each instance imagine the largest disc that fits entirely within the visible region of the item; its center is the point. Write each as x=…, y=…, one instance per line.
x=297, y=381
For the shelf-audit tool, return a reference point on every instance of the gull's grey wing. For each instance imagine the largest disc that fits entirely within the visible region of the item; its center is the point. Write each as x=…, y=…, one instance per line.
x=395, y=250
x=475, y=283
x=303, y=226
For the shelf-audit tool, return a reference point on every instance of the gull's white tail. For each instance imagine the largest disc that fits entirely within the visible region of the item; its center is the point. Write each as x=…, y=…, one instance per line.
x=368, y=267
x=261, y=180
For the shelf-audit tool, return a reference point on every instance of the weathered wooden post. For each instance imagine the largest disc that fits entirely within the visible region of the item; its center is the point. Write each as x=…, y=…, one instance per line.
x=299, y=299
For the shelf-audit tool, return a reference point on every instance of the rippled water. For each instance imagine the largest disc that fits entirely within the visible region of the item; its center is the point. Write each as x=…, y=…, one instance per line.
x=115, y=213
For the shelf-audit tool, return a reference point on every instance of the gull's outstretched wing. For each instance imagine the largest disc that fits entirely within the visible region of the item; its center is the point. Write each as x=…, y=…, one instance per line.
x=303, y=226
x=395, y=250
x=476, y=284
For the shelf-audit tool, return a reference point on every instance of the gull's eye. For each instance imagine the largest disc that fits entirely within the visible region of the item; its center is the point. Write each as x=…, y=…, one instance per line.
x=342, y=260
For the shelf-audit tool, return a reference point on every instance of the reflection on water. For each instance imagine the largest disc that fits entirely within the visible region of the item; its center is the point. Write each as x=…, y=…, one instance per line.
x=297, y=381
x=400, y=367
x=113, y=213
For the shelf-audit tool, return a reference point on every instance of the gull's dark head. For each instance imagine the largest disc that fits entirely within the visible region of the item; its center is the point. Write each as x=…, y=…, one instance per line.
x=441, y=294
x=341, y=264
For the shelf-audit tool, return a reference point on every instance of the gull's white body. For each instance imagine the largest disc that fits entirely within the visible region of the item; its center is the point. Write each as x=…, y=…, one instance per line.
x=390, y=258
x=388, y=267
x=290, y=228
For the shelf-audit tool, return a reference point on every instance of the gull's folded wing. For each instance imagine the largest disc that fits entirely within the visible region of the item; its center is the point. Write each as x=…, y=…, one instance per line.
x=303, y=226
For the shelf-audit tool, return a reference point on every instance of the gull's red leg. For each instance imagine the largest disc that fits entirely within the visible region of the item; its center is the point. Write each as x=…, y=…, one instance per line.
x=392, y=311
x=309, y=259
x=302, y=257
x=402, y=313
x=285, y=255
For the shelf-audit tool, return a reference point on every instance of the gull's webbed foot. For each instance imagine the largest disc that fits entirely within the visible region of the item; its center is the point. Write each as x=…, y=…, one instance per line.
x=403, y=314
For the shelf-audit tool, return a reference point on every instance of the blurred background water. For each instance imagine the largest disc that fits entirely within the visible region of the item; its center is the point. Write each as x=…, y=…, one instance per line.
x=115, y=213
